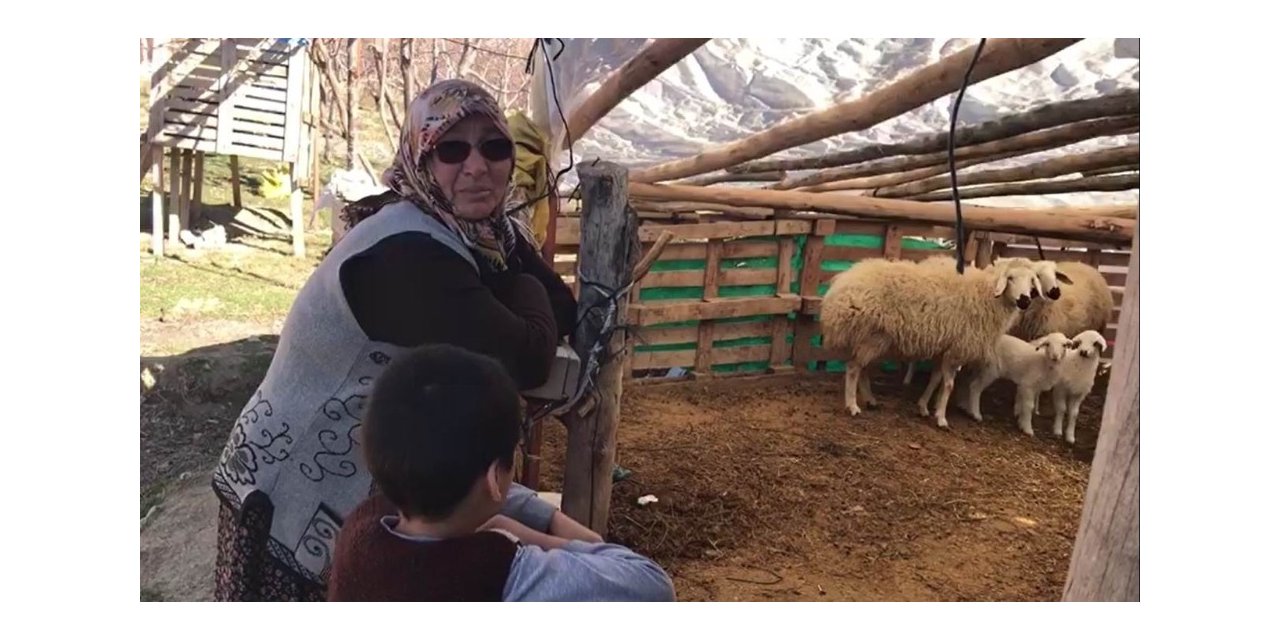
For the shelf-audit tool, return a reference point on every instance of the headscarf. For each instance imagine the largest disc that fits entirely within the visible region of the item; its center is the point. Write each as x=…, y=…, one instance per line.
x=437, y=109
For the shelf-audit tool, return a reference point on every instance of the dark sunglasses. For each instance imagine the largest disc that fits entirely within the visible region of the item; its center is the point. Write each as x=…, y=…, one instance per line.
x=457, y=151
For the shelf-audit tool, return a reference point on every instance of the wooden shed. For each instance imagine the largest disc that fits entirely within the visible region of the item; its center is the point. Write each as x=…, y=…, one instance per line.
x=251, y=97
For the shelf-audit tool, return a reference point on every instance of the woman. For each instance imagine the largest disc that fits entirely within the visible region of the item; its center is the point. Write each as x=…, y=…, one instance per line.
x=435, y=259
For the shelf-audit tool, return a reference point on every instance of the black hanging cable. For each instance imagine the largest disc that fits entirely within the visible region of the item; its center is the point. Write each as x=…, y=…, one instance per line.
x=1038, y=247
x=951, y=157
x=553, y=184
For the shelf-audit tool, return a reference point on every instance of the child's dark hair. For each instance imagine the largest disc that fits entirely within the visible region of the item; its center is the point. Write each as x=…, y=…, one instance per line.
x=436, y=419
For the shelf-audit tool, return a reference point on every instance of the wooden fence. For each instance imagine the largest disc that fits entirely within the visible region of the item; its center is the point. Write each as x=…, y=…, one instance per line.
x=742, y=296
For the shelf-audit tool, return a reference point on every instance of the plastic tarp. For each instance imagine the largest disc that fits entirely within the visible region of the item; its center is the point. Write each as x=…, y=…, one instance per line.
x=731, y=88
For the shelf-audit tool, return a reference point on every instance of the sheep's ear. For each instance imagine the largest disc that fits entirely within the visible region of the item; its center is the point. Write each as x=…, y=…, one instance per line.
x=1042, y=345
x=1075, y=344
x=1062, y=277
x=1002, y=280
x=1102, y=345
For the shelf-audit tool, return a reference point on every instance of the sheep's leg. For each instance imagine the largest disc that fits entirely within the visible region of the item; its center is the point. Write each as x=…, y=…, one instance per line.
x=863, y=355
x=923, y=403
x=864, y=390
x=1059, y=410
x=911, y=373
x=851, y=388
x=1026, y=404
x=948, y=372
x=972, y=403
x=1073, y=411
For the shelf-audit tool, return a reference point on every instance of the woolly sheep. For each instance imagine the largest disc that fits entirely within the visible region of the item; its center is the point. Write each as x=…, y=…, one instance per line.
x=899, y=309
x=1085, y=304
x=1046, y=281
x=1076, y=375
x=1033, y=366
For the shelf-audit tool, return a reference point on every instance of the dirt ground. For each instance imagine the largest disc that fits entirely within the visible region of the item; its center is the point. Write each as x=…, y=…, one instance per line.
x=767, y=489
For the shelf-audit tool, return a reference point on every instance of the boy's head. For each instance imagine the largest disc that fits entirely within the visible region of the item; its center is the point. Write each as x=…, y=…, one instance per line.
x=441, y=426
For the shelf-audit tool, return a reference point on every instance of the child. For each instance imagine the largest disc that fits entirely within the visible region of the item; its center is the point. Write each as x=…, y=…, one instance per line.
x=439, y=437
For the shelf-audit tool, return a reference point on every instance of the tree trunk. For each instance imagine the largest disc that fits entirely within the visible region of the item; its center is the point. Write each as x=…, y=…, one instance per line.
x=352, y=61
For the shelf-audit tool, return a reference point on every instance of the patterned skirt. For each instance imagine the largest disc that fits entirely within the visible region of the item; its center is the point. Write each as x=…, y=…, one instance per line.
x=245, y=570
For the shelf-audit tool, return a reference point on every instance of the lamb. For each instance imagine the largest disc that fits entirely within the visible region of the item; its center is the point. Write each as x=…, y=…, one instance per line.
x=1076, y=375
x=880, y=308
x=1033, y=366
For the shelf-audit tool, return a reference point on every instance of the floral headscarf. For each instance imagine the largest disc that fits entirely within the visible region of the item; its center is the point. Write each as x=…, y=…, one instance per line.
x=431, y=114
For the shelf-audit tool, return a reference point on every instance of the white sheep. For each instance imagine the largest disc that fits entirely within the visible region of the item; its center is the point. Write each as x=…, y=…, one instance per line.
x=900, y=309
x=1085, y=303
x=1076, y=376
x=1033, y=366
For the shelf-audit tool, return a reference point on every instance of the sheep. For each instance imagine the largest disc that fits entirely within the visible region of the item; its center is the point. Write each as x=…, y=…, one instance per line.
x=903, y=310
x=1086, y=302
x=1033, y=366
x=1045, y=272
x=1076, y=375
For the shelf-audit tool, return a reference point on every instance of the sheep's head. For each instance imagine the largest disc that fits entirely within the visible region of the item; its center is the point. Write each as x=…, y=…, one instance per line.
x=1016, y=281
x=1054, y=346
x=1089, y=343
x=1047, y=272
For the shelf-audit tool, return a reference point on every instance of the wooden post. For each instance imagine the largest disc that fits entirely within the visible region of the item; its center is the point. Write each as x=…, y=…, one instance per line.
x=1121, y=103
x=175, y=196
x=608, y=248
x=710, y=290
x=157, y=201
x=1104, y=561
x=810, y=276
x=295, y=210
x=197, y=189
x=893, y=242
x=779, y=353
x=553, y=215
x=985, y=249
x=235, y=182
x=1101, y=223
x=184, y=210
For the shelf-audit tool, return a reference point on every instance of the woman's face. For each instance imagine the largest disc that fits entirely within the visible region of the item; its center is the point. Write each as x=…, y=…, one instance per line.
x=476, y=184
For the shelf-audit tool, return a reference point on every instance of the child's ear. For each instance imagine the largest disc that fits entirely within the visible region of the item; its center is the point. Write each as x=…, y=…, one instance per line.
x=493, y=482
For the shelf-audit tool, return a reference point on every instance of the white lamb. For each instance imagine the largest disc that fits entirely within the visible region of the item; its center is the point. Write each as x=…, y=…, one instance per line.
x=900, y=309
x=1077, y=373
x=1034, y=366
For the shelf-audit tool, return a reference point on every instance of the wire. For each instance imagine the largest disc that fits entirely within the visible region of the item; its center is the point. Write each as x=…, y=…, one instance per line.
x=554, y=184
x=951, y=157
x=480, y=48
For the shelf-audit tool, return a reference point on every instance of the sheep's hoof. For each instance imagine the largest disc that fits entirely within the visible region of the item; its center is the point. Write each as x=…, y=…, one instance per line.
x=942, y=423
x=872, y=404
x=1029, y=432
x=1071, y=440
x=854, y=411
x=924, y=410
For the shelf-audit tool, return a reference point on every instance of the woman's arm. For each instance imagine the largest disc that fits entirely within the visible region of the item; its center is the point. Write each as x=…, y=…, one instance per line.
x=563, y=303
x=410, y=290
